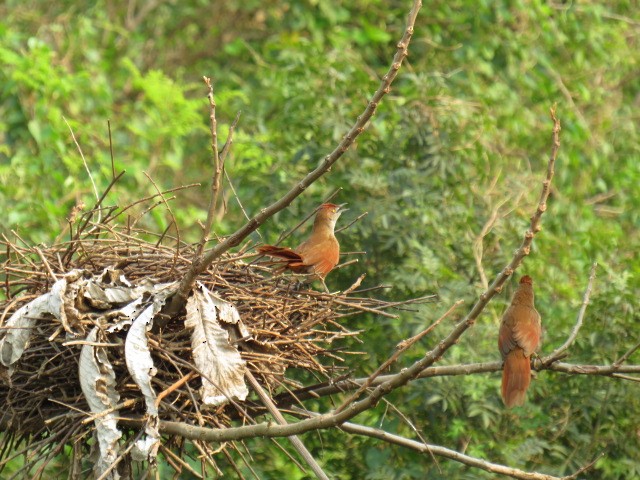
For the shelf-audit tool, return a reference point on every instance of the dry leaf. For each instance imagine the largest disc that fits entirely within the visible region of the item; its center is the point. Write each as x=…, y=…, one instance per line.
x=219, y=362
x=20, y=324
x=98, y=382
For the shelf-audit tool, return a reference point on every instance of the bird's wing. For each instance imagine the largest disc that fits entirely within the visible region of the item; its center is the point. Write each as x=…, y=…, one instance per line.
x=321, y=256
x=506, y=340
x=280, y=252
x=520, y=328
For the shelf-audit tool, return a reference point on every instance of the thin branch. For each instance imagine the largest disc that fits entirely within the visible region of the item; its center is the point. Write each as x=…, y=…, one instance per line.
x=227, y=144
x=450, y=454
x=132, y=443
x=558, y=352
x=113, y=167
x=357, y=219
x=626, y=356
x=235, y=194
x=46, y=264
x=626, y=377
x=181, y=381
x=119, y=213
x=217, y=168
x=201, y=263
x=295, y=441
x=84, y=161
x=173, y=218
x=73, y=244
x=478, y=247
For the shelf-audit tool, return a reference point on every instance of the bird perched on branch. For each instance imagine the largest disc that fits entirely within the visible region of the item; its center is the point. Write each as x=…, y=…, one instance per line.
x=519, y=338
x=319, y=254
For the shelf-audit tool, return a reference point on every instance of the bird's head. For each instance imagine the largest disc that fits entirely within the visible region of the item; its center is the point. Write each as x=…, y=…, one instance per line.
x=526, y=279
x=328, y=213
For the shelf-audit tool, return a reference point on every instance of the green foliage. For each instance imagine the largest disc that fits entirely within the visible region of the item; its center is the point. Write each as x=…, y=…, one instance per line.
x=464, y=134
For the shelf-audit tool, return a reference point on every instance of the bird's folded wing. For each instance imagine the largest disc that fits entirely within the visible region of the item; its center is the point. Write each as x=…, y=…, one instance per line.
x=280, y=252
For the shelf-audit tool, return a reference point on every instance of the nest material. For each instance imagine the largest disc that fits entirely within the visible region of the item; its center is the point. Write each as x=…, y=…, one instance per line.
x=42, y=400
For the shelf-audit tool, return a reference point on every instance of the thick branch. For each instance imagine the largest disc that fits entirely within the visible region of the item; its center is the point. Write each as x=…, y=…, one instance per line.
x=201, y=263
x=265, y=429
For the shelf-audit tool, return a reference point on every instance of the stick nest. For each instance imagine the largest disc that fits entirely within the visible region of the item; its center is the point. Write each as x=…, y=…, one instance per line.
x=43, y=404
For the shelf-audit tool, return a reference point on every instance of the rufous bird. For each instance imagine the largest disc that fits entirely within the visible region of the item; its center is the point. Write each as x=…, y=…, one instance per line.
x=519, y=338
x=317, y=255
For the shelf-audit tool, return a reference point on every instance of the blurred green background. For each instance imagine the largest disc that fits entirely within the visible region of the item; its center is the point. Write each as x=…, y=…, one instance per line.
x=461, y=140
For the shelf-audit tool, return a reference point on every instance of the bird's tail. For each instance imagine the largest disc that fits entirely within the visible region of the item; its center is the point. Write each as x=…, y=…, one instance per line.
x=288, y=259
x=280, y=252
x=516, y=376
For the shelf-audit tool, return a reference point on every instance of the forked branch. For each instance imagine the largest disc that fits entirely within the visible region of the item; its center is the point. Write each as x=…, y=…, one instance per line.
x=202, y=262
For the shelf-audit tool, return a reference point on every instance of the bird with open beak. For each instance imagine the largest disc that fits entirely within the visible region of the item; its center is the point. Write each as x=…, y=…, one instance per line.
x=317, y=255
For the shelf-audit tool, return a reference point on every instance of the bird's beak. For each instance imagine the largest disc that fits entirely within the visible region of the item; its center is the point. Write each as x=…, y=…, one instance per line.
x=341, y=207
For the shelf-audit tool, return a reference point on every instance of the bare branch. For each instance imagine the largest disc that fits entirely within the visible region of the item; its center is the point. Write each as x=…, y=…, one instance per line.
x=445, y=452
x=201, y=263
x=295, y=441
x=558, y=352
x=626, y=356
x=173, y=218
x=84, y=161
x=431, y=357
x=113, y=167
x=265, y=429
x=357, y=219
x=217, y=168
x=324, y=389
x=227, y=144
x=72, y=245
x=478, y=246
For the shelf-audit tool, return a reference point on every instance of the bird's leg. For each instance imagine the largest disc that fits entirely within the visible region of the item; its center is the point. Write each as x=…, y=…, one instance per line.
x=536, y=359
x=324, y=285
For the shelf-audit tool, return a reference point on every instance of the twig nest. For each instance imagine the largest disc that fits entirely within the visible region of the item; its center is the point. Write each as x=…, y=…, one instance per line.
x=78, y=349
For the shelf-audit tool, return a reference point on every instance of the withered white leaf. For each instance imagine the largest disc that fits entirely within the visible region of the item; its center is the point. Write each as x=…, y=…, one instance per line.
x=219, y=362
x=146, y=449
x=20, y=324
x=158, y=292
x=138, y=357
x=98, y=382
x=140, y=365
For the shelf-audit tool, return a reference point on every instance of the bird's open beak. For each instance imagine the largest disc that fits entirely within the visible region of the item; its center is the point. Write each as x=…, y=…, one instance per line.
x=341, y=207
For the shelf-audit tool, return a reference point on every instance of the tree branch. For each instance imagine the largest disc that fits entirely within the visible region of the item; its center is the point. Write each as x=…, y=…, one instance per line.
x=331, y=388
x=202, y=262
x=217, y=168
x=295, y=441
x=401, y=348
x=558, y=352
x=626, y=356
x=448, y=453
x=397, y=380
